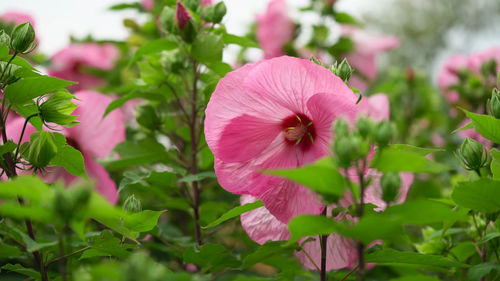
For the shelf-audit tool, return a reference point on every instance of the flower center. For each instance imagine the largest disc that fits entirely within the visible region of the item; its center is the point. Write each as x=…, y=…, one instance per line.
x=298, y=130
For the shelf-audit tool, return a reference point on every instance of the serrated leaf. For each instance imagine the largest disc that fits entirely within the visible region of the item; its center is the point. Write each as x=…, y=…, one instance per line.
x=487, y=126
x=71, y=160
x=142, y=221
x=23, y=270
x=235, y=212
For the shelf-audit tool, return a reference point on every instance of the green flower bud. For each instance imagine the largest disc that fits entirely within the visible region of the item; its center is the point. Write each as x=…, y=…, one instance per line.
x=365, y=127
x=58, y=108
x=341, y=128
x=215, y=13
x=345, y=150
x=42, y=149
x=23, y=37
x=9, y=72
x=167, y=18
x=473, y=155
x=390, y=183
x=384, y=134
x=4, y=39
x=132, y=205
x=494, y=104
x=342, y=70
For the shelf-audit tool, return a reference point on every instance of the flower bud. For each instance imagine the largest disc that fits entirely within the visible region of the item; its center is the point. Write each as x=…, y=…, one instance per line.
x=341, y=128
x=58, y=108
x=9, y=71
x=182, y=15
x=42, y=149
x=167, y=18
x=472, y=155
x=343, y=70
x=132, y=205
x=215, y=13
x=345, y=150
x=384, y=134
x=68, y=202
x=23, y=37
x=4, y=39
x=390, y=183
x=494, y=104
x=365, y=127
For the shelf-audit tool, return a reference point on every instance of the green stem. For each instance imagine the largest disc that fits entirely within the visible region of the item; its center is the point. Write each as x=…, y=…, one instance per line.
x=194, y=148
x=323, y=242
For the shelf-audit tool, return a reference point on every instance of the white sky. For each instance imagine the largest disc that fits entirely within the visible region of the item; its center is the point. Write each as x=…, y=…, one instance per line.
x=56, y=20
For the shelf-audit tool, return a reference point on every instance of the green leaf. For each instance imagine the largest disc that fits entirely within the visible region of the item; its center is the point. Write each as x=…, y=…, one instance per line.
x=389, y=256
x=373, y=227
x=133, y=95
x=466, y=127
x=23, y=270
x=487, y=126
x=420, y=212
x=320, y=176
x=33, y=212
x=210, y=257
x=28, y=187
x=416, y=278
x=482, y=195
x=239, y=40
x=198, y=177
x=480, y=270
x=27, y=109
x=154, y=46
x=71, y=160
x=142, y=221
x=396, y=159
x=111, y=245
x=207, y=48
x=134, y=153
x=495, y=163
x=32, y=87
x=7, y=147
x=418, y=150
x=269, y=249
x=235, y=212
x=220, y=68
x=309, y=225
x=7, y=251
x=124, y=6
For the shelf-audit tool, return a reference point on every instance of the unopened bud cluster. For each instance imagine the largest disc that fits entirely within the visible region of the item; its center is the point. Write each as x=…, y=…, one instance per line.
x=22, y=39
x=494, y=104
x=472, y=155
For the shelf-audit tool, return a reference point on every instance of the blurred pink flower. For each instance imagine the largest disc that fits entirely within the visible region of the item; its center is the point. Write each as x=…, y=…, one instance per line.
x=182, y=15
x=94, y=137
x=17, y=18
x=69, y=63
x=148, y=4
x=262, y=226
x=471, y=133
x=274, y=29
x=206, y=2
x=448, y=75
x=363, y=57
x=276, y=113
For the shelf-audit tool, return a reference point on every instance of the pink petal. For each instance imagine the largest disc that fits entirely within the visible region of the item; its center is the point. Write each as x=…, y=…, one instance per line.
x=375, y=107
x=94, y=134
x=448, y=76
x=17, y=18
x=182, y=15
x=373, y=193
x=274, y=29
x=341, y=252
x=104, y=185
x=260, y=225
x=245, y=137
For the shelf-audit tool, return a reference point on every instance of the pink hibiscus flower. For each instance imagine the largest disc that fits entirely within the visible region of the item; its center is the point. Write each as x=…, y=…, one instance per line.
x=262, y=226
x=274, y=29
x=366, y=49
x=148, y=4
x=69, y=63
x=94, y=137
x=275, y=113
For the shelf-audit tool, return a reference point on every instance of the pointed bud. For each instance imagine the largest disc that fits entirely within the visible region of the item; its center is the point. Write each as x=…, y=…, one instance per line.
x=345, y=150
x=342, y=70
x=390, y=183
x=58, y=108
x=215, y=13
x=473, y=155
x=9, y=73
x=132, y=205
x=23, y=37
x=4, y=39
x=42, y=149
x=167, y=18
x=341, y=128
x=365, y=127
x=494, y=104
x=182, y=15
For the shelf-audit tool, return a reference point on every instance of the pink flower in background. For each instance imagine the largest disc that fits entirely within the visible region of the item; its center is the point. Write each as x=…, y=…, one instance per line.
x=276, y=113
x=94, y=137
x=448, y=75
x=182, y=15
x=274, y=29
x=17, y=18
x=366, y=49
x=148, y=4
x=206, y=2
x=70, y=63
